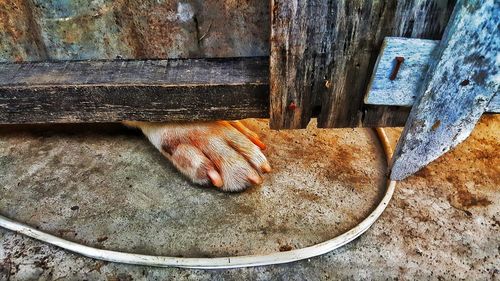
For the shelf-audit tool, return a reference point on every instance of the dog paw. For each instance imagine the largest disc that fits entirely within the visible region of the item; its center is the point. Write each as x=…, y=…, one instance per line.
x=225, y=154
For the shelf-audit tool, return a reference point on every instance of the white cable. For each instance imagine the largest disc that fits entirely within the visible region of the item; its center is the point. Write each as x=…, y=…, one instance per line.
x=214, y=263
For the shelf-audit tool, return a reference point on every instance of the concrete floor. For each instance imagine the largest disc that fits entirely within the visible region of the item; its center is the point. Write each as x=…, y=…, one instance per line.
x=105, y=186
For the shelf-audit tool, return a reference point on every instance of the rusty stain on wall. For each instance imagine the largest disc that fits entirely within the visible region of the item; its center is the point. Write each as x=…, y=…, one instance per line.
x=33, y=30
x=20, y=37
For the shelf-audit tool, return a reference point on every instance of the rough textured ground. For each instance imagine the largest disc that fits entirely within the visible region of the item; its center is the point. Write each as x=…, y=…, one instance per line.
x=107, y=187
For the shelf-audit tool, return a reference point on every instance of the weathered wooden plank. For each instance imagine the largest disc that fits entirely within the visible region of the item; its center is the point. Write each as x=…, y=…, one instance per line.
x=458, y=87
x=403, y=90
x=152, y=90
x=385, y=116
x=290, y=99
x=145, y=72
x=323, y=52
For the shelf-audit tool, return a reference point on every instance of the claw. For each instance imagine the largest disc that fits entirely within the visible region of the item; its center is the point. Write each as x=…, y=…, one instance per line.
x=215, y=178
x=266, y=168
x=255, y=179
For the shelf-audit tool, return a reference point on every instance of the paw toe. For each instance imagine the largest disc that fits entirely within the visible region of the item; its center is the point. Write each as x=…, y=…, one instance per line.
x=225, y=154
x=191, y=162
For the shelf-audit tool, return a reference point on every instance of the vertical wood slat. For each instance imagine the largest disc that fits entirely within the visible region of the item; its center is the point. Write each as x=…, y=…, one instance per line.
x=459, y=86
x=292, y=86
x=323, y=53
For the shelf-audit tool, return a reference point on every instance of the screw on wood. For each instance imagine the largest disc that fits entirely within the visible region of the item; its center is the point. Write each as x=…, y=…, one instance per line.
x=465, y=83
x=292, y=106
x=399, y=61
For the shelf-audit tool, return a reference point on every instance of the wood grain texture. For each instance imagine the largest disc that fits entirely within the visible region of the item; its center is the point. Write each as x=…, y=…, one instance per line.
x=323, y=53
x=460, y=83
x=384, y=116
x=146, y=90
x=151, y=90
x=404, y=89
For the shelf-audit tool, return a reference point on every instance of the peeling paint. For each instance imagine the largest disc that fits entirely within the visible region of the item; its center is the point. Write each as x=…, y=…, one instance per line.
x=184, y=12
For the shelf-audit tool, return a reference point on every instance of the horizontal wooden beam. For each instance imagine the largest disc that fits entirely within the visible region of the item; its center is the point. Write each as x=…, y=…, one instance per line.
x=403, y=90
x=148, y=90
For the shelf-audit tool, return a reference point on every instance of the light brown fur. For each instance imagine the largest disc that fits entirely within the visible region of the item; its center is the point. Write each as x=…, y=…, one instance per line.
x=225, y=154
